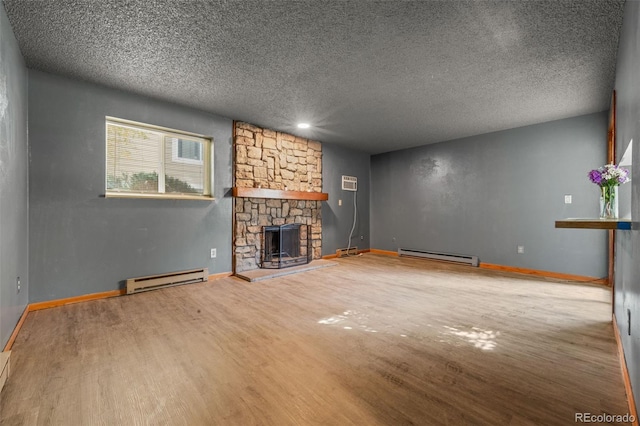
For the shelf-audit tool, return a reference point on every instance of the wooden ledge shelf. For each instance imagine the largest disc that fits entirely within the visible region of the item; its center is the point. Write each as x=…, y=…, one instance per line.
x=621, y=224
x=278, y=194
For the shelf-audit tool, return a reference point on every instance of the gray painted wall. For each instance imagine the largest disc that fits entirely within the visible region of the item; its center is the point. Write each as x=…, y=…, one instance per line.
x=14, y=231
x=337, y=220
x=487, y=194
x=627, y=268
x=83, y=243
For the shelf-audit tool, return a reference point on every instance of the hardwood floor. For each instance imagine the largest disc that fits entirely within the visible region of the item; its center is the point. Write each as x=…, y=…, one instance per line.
x=373, y=341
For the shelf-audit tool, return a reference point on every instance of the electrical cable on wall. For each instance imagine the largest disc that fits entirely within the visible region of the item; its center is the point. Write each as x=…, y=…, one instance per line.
x=355, y=215
x=350, y=183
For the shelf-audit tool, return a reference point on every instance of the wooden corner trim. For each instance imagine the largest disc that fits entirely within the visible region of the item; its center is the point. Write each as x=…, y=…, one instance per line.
x=385, y=252
x=220, y=275
x=527, y=271
x=540, y=273
x=16, y=330
x=625, y=373
x=69, y=300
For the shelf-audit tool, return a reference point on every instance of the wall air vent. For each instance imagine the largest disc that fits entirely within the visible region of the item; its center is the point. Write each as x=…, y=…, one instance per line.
x=349, y=183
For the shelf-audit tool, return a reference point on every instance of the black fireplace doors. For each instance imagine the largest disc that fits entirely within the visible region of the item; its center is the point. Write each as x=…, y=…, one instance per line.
x=286, y=245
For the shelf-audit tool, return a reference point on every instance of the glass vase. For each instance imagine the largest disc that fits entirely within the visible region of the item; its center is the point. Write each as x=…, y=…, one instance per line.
x=609, y=202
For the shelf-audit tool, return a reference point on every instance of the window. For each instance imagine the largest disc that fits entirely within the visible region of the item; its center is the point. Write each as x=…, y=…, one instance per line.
x=150, y=161
x=186, y=151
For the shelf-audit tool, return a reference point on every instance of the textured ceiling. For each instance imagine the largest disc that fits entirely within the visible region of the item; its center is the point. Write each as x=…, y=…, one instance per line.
x=372, y=75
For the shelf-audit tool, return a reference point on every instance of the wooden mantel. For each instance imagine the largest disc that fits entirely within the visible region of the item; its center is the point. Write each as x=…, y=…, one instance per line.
x=279, y=194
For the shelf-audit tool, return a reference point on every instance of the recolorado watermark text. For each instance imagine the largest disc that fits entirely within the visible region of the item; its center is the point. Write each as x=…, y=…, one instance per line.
x=604, y=418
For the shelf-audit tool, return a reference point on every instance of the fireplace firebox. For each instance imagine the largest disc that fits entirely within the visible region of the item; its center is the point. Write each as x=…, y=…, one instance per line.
x=286, y=245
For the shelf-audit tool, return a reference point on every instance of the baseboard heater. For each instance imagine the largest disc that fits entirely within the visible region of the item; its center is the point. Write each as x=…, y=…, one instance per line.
x=449, y=257
x=351, y=251
x=152, y=282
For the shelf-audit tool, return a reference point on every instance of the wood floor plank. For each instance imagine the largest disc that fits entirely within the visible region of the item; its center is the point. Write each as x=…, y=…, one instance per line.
x=376, y=340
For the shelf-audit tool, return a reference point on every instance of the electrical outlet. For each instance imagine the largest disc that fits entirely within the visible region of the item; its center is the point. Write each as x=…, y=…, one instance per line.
x=213, y=253
x=339, y=202
x=361, y=237
x=567, y=199
x=18, y=284
x=520, y=249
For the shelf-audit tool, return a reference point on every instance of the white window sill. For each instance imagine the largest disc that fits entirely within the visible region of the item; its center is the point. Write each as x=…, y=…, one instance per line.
x=158, y=196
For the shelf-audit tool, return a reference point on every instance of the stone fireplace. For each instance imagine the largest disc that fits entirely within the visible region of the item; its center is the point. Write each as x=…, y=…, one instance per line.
x=278, y=181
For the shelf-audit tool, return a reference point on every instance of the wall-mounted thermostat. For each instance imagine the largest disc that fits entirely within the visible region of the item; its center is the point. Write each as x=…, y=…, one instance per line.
x=349, y=183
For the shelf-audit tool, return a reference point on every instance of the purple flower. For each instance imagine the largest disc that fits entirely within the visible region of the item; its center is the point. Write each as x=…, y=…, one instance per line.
x=595, y=176
x=609, y=175
x=624, y=176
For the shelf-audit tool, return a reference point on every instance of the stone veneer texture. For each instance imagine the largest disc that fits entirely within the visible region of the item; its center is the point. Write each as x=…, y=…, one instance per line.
x=268, y=159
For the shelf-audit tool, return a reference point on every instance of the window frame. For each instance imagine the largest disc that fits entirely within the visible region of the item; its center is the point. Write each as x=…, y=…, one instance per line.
x=166, y=133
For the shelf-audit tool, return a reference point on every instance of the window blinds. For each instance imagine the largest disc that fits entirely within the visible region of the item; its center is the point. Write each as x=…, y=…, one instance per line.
x=146, y=160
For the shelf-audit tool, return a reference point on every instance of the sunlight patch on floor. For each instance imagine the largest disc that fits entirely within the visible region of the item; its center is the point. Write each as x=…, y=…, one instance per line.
x=481, y=339
x=354, y=318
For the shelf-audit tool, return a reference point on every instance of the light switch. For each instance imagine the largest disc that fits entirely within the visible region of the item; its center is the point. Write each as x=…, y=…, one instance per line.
x=567, y=199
